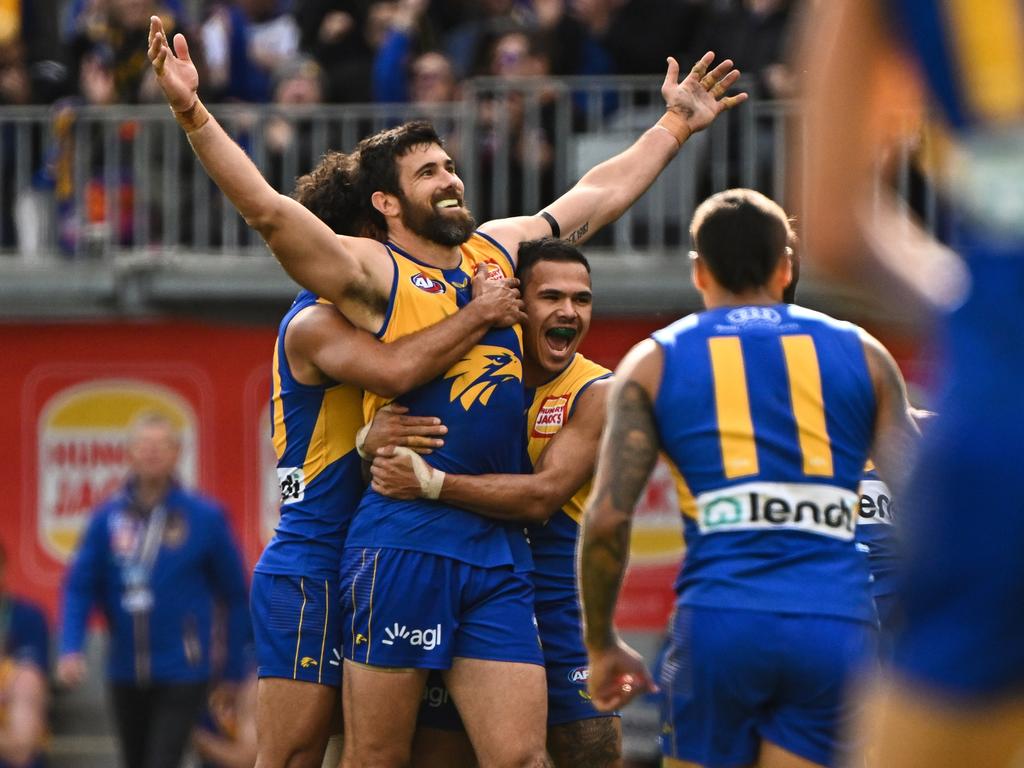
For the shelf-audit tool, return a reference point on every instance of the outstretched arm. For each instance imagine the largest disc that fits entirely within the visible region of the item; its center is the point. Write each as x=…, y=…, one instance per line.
x=608, y=189
x=629, y=451
x=564, y=467
x=352, y=272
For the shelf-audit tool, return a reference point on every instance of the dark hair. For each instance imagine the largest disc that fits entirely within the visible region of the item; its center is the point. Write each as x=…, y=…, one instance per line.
x=532, y=252
x=741, y=235
x=378, y=156
x=331, y=191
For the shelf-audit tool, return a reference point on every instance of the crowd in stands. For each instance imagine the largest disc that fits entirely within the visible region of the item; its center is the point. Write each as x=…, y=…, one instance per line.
x=288, y=53
x=374, y=50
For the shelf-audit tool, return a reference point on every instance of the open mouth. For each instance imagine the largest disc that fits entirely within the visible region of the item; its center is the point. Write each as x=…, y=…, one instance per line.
x=559, y=339
x=448, y=202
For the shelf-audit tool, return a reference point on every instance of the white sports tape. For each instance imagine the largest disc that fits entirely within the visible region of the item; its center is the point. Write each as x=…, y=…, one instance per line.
x=360, y=441
x=430, y=479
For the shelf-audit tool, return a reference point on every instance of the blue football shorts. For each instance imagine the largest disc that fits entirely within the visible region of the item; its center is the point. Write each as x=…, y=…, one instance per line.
x=732, y=678
x=565, y=661
x=297, y=627
x=413, y=609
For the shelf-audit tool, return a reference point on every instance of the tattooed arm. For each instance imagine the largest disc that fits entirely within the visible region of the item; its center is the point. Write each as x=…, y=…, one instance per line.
x=628, y=454
x=608, y=189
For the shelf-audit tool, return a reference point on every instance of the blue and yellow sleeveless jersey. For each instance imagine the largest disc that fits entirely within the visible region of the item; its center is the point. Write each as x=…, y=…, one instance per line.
x=313, y=430
x=480, y=399
x=768, y=413
x=876, y=530
x=554, y=543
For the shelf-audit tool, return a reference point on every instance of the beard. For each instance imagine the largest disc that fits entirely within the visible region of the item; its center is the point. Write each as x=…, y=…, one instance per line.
x=446, y=229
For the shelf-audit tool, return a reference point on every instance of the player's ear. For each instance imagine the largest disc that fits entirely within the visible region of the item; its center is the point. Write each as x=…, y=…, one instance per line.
x=697, y=275
x=783, y=275
x=388, y=205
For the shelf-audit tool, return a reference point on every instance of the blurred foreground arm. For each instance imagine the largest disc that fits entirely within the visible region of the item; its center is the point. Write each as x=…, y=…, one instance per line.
x=860, y=91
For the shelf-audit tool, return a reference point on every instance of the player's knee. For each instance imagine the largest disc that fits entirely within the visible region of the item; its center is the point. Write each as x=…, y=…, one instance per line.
x=382, y=756
x=524, y=757
x=295, y=757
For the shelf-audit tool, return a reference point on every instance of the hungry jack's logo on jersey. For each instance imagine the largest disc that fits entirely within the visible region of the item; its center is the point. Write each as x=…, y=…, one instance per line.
x=476, y=376
x=551, y=415
x=82, y=455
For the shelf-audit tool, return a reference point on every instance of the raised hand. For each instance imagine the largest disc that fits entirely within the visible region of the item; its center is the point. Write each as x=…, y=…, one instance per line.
x=700, y=97
x=498, y=297
x=175, y=73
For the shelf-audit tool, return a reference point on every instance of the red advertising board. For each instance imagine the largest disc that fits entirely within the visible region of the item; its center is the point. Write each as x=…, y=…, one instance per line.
x=72, y=388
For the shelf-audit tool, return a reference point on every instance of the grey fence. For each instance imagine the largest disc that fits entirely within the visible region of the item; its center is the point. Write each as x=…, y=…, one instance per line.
x=97, y=181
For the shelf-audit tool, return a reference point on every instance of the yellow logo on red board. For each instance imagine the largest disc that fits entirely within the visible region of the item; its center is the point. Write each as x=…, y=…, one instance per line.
x=82, y=454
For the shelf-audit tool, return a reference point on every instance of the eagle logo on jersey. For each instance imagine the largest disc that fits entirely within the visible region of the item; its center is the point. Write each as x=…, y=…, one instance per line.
x=477, y=375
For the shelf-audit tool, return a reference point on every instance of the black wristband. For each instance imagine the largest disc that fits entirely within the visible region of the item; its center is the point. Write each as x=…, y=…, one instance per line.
x=556, y=231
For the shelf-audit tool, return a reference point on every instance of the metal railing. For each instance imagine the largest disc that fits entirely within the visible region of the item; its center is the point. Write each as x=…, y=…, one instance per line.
x=96, y=181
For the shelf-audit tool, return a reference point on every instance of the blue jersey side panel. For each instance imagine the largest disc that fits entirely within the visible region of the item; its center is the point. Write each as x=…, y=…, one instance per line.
x=313, y=429
x=776, y=485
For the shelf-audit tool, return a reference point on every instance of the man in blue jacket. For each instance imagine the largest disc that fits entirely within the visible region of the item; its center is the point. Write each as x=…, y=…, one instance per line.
x=155, y=558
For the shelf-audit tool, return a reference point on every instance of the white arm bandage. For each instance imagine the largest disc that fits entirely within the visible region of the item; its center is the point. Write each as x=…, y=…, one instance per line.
x=430, y=479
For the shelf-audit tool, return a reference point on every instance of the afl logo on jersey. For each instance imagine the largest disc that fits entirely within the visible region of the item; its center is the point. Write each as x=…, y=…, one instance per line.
x=747, y=315
x=427, y=284
x=551, y=416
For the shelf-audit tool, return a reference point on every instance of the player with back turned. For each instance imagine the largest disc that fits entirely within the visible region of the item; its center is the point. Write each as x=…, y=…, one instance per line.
x=769, y=412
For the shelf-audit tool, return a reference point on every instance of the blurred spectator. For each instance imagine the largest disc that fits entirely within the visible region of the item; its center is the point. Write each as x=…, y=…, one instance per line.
x=116, y=30
x=24, y=663
x=639, y=34
x=334, y=33
x=84, y=213
x=244, y=41
x=403, y=70
x=571, y=47
x=755, y=34
x=431, y=79
x=465, y=43
x=516, y=124
x=288, y=131
x=154, y=558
